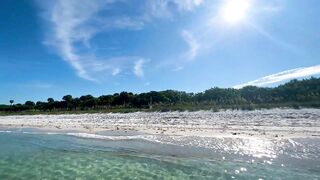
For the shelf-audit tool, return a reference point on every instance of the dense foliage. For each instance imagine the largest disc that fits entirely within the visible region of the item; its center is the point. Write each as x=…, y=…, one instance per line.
x=304, y=93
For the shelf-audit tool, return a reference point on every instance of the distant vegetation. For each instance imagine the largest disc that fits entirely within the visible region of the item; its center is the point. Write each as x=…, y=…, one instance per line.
x=294, y=94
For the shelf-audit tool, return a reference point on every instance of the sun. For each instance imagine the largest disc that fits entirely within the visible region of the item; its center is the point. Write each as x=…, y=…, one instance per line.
x=235, y=11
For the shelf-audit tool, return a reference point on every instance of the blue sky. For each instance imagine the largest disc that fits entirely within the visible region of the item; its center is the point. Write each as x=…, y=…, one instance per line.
x=56, y=47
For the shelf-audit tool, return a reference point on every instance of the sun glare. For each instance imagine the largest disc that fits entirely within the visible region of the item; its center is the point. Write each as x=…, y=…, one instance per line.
x=235, y=11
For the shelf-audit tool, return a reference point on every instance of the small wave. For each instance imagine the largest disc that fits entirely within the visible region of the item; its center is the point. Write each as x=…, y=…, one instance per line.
x=5, y=131
x=89, y=135
x=116, y=138
x=48, y=133
x=295, y=148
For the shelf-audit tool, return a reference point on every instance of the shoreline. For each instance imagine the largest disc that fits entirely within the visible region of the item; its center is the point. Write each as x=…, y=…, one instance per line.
x=138, y=110
x=274, y=123
x=205, y=133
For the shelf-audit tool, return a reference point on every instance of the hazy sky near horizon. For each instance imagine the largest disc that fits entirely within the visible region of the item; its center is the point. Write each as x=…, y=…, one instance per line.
x=56, y=47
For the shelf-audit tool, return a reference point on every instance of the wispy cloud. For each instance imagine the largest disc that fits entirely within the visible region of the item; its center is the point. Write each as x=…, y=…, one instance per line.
x=188, y=4
x=116, y=71
x=178, y=68
x=192, y=43
x=138, y=68
x=163, y=8
x=72, y=25
x=283, y=76
x=178, y=61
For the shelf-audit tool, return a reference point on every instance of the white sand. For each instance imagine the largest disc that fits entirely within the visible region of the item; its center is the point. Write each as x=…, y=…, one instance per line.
x=279, y=123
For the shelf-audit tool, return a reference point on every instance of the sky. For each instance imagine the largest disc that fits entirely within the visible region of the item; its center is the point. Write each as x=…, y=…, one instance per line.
x=56, y=47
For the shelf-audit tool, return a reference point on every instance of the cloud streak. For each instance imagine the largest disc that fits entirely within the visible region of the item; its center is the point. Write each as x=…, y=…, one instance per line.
x=283, y=76
x=192, y=43
x=138, y=68
x=178, y=68
x=163, y=8
x=188, y=4
x=72, y=25
x=68, y=18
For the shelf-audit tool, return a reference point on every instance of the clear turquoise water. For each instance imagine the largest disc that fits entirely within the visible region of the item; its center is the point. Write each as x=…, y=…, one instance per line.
x=67, y=156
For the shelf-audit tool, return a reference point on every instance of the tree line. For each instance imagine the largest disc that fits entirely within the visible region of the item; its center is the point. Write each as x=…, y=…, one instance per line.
x=303, y=93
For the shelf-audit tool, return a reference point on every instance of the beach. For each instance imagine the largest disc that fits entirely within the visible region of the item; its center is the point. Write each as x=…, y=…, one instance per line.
x=280, y=123
x=260, y=144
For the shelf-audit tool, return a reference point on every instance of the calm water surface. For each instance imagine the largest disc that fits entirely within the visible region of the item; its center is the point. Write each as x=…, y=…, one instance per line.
x=40, y=155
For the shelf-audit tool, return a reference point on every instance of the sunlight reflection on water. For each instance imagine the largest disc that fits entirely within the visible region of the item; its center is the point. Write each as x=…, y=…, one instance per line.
x=157, y=156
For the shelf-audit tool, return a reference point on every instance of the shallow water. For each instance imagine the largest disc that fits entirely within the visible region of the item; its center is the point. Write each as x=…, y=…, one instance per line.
x=38, y=155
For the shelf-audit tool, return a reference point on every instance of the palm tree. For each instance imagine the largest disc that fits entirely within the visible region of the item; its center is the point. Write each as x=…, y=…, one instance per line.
x=11, y=102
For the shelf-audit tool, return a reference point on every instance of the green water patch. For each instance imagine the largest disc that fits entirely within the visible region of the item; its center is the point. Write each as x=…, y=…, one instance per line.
x=27, y=156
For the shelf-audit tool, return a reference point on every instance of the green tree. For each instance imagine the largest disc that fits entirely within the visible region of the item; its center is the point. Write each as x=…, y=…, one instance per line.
x=88, y=101
x=69, y=101
x=29, y=104
x=50, y=100
x=50, y=105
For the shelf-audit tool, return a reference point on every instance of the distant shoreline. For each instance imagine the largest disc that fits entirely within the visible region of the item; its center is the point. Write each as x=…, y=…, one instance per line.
x=275, y=123
x=294, y=94
x=156, y=109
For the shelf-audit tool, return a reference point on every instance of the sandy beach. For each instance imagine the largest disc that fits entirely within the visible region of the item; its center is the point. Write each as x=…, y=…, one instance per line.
x=260, y=144
x=275, y=123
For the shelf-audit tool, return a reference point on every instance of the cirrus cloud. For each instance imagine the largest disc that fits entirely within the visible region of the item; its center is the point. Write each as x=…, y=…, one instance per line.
x=283, y=76
x=72, y=25
x=192, y=43
x=138, y=68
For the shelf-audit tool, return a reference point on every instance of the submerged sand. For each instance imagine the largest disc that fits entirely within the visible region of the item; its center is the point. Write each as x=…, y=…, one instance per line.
x=275, y=123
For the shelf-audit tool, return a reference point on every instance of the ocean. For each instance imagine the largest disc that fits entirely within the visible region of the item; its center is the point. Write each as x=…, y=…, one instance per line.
x=34, y=154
